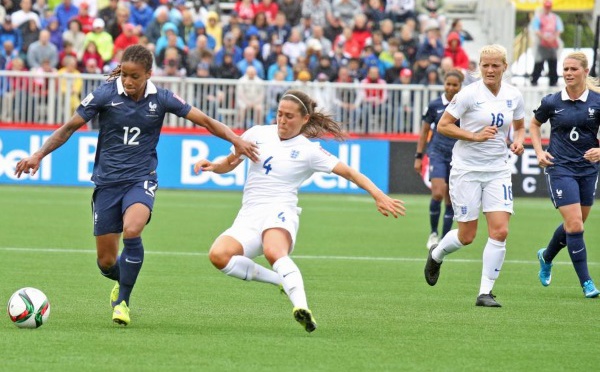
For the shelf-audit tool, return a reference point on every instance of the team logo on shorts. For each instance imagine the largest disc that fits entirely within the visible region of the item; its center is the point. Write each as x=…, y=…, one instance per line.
x=559, y=193
x=463, y=210
x=509, y=103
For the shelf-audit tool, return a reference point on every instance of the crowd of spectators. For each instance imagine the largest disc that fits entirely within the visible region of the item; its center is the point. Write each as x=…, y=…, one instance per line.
x=366, y=42
x=198, y=38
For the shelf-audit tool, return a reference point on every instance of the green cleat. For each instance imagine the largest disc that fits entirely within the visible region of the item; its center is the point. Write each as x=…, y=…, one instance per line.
x=121, y=314
x=305, y=318
x=114, y=295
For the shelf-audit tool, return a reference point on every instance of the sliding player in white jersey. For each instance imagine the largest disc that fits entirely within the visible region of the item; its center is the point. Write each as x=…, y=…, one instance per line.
x=481, y=177
x=268, y=220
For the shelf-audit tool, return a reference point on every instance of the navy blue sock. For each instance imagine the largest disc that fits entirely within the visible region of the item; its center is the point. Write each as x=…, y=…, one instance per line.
x=112, y=272
x=434, y=214
x=131, y=261
x=578, y=255
x=448, y=219
x=558, y=242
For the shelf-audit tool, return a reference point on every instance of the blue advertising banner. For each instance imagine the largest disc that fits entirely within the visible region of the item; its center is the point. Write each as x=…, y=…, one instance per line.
x=72, y=163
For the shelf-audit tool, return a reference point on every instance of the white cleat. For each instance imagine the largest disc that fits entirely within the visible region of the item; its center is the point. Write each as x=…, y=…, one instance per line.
x=433, y=239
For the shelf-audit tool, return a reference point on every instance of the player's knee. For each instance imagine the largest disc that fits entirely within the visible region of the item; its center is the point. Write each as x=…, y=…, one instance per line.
x=219, y=257
x=499, y=234
x=467, y=237
x=132, y=230
x=106, y=261
x=573, y=226
x=273, y=254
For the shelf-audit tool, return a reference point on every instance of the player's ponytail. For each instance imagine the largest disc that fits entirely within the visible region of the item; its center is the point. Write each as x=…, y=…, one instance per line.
x=319, y=123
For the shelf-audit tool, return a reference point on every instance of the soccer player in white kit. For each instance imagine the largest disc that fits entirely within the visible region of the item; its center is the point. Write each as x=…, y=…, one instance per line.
x=481, y=176
x=269, y=218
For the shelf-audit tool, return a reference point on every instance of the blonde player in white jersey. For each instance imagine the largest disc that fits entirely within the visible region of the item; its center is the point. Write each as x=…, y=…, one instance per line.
x=268, y=220
x=481, y=176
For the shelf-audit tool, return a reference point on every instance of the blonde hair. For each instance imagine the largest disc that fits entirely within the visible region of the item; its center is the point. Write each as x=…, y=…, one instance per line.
x=494, y=50
x=590, y=82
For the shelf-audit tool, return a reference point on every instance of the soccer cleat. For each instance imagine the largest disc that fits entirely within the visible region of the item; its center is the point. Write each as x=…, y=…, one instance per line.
x=487, y=300
x=114, y=295
x=432, y=268
x=121, y=314
x=433, y=239
x=589, y=289
x=545, y=273
x=305, y=318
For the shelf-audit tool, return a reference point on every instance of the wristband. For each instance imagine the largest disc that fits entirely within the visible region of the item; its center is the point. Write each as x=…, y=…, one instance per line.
x=419, y=155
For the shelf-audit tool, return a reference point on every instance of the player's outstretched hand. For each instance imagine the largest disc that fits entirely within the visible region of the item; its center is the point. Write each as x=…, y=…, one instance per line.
x=203, y=165
x=387, y=206
x=249, y=149
x=592, y=155
x=28, y=165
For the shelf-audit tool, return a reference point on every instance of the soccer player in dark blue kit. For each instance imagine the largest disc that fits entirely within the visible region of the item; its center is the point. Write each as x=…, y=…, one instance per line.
x=571, y=164
x=439, y=152
x=131, y=112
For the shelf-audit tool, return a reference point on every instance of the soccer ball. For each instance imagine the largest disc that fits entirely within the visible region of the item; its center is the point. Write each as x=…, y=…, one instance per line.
x=28, y=308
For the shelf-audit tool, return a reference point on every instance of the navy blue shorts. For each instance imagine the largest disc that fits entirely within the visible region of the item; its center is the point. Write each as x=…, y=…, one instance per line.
x=439, y=167
x=109, y=203
x=566, y=190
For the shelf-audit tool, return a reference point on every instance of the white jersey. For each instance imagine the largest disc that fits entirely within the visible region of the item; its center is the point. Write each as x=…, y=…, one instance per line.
x=477, y=107
x=283, y=166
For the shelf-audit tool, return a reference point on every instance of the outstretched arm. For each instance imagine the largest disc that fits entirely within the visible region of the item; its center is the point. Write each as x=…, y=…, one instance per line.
x=221, y=166
x=223, y=131
x=385, y=204
x=31, y=164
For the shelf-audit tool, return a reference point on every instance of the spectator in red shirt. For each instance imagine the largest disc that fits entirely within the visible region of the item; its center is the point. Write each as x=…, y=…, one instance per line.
x=126, y=38
x=84, y=18
x=270, y=8
x=455, y=51
x=246, y=10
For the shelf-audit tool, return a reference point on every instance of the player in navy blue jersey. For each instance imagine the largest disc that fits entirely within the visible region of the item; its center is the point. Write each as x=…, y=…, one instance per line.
x=439, y=152
x=131, y=111
x=570, y=164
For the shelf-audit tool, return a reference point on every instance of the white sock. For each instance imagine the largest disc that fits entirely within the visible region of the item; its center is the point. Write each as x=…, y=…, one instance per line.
x=447, y=245
x=292, y=281
x=244, y=268
x=493, y=258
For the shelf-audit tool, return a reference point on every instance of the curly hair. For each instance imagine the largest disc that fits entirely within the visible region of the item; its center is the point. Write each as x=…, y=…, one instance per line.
x=134, y=53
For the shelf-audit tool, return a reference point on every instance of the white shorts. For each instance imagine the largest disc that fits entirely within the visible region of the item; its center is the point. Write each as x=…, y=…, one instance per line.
x=251, y=222
x=472, y=190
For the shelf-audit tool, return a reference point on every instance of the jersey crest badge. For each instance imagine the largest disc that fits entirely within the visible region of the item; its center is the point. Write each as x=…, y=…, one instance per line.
x=86, y=101
x=152, y=106
x=591, y=112
x=294, y=154
x=509, y=103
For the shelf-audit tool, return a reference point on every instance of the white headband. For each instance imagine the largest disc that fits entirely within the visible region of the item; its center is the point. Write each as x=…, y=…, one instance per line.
x=298, y=99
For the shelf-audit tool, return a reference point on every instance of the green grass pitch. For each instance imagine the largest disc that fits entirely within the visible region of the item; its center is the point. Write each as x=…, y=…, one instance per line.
x=363, y=275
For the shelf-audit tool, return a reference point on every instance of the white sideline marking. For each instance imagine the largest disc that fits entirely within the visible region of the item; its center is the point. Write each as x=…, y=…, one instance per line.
x=306, y=257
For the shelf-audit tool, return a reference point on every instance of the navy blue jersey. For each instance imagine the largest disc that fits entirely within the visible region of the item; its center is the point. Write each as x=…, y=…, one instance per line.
x=129, y=130
x=573, y=130
x=438, y=143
